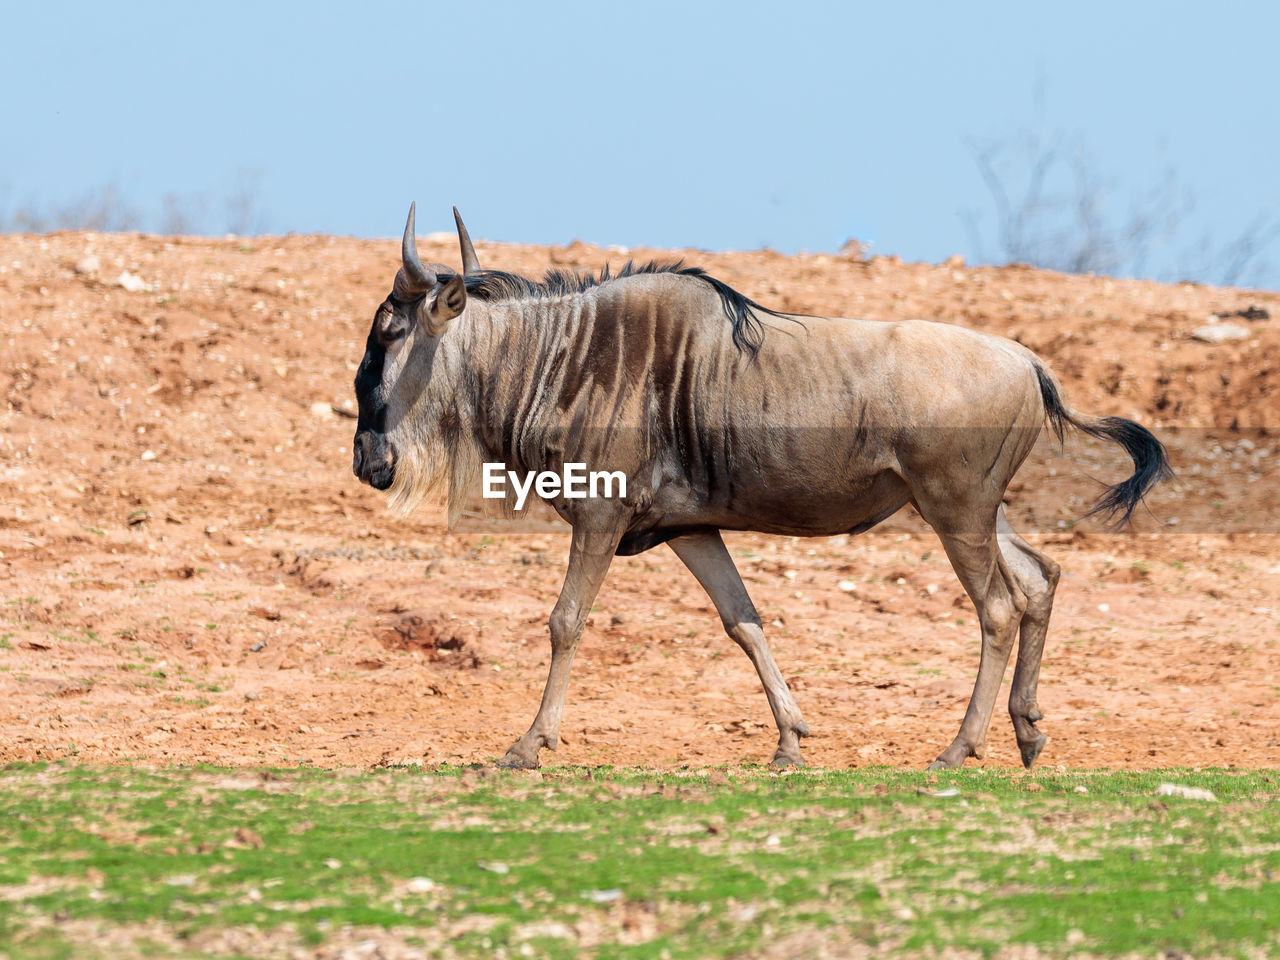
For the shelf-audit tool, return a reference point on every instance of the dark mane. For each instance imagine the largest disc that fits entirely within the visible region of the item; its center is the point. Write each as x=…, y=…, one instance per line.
x=748, y=332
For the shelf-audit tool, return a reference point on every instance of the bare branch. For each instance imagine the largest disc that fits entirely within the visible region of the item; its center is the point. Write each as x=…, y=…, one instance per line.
x=1255, y=238
x=1060, y=213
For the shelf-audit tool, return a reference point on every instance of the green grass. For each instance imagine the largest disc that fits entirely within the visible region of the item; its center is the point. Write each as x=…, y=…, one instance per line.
x=195, y=862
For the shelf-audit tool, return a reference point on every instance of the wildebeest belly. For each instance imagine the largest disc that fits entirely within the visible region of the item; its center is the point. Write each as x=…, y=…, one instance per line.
x=850, y=506
x=789, y=503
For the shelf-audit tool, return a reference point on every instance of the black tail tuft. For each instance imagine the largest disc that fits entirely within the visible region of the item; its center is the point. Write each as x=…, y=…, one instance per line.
x=1150, y=459
x=1150, y=463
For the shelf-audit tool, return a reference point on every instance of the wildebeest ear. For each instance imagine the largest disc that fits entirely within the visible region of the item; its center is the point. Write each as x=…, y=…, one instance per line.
x=445, y=304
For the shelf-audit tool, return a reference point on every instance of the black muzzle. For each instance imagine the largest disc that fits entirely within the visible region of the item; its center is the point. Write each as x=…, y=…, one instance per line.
x=374, y=459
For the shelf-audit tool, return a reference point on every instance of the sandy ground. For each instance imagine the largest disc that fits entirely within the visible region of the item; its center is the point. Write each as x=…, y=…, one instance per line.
x=190, y=573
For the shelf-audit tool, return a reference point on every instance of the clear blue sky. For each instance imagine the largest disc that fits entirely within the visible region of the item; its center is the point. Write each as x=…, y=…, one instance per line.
x=713, y=125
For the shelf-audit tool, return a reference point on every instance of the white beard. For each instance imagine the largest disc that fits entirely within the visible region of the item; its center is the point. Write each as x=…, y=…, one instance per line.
x=428, y=466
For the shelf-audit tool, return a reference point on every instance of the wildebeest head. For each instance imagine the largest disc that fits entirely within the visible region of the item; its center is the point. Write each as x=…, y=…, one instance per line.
x=399, y=356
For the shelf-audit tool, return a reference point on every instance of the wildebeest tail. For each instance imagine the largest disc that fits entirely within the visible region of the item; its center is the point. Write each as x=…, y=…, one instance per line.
x=1150, y=459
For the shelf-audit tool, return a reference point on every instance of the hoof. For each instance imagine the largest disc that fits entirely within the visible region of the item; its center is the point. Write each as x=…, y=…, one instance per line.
x=941, y=764
x=1031, y=750
x=954, y=756
x=513, y=761
x=781, y=761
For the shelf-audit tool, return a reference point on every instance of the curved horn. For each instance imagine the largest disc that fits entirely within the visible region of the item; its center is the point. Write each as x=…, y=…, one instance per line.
x=413, y=279
x=470, y=262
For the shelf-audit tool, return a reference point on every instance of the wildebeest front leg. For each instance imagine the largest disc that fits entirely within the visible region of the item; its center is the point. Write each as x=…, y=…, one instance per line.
x=589, y=558
x=707, y=559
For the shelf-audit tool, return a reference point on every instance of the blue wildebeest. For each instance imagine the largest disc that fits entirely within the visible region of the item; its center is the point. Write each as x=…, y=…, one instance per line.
x=724, y=415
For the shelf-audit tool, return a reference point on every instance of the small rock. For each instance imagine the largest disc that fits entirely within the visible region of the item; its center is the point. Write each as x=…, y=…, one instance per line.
x=493, y=866
x=147, y=455
x=420, y=885
x=601, y=896
x=333, y=864
x=322, y=410
x=251, y=695
x=847, y=586
x=1219, y=332
x=618, y=619
x=1186, y=793
x=258, y=647
x=855, y=249
x=88, y=265
x=132, y=282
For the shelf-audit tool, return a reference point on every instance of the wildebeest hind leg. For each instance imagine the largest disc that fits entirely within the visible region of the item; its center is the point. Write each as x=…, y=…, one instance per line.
x=1038, y=577
x=999, y=600
x=589, y=556
x=705, y=555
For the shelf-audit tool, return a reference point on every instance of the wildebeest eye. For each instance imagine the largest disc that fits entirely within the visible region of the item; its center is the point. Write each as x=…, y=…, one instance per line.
x=391, y=326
